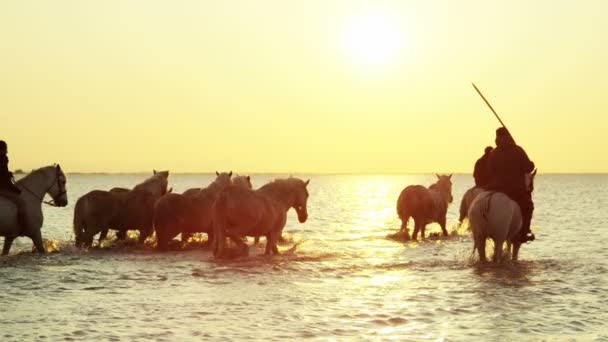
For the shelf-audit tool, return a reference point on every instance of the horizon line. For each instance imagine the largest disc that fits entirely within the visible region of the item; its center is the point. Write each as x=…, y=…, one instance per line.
x=304, y=173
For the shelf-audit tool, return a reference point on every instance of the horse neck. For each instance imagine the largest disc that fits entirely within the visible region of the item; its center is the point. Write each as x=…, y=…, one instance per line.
x=436, y=191
x=216, y=186
x=34, y=184
x=277, y=192
x=153, y=185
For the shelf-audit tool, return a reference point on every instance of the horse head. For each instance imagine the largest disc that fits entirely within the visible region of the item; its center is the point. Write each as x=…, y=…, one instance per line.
x=223, y=178
x=156, y=185
x=57, y=189
x=530, y=180
x=242, y=181
x=300, y=198
x=444, y=186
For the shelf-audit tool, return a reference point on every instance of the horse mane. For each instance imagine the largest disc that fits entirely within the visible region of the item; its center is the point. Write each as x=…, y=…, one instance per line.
x=43, y=168
x=36, y=172
x=39, y=170
x=279, y=185
x=152, y=179
x=288, y=182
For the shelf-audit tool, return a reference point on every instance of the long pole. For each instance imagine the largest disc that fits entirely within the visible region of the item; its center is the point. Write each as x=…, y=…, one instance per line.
x=489, y=105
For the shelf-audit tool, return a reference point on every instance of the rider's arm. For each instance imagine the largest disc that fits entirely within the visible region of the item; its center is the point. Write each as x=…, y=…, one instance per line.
x=527, y=164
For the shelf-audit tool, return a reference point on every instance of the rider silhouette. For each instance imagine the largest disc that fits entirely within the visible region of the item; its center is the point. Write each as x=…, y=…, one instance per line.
x=508, y=165
x=481, y=172
x=8, y=189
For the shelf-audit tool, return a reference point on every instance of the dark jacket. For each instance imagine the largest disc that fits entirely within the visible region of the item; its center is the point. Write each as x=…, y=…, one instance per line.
x=509, y=165
x=481, y=172
x=6, y=177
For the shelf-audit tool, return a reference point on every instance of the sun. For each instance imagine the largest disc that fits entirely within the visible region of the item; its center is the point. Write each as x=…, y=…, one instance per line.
x=373, y=39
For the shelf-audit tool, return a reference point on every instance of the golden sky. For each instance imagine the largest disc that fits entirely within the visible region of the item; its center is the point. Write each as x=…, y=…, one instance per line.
x=301, y=86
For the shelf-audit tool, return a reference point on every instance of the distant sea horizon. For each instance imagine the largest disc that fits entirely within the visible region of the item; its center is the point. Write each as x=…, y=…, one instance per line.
x=21, y=171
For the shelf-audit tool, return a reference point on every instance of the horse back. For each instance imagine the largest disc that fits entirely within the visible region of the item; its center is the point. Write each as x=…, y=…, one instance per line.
x=236, y=206
x=494, y=215
x=415, y=201
x=191, y=192
x=97, y=204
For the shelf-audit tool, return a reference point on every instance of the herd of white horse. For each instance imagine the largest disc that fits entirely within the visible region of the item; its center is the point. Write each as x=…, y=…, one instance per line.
x=230, y=208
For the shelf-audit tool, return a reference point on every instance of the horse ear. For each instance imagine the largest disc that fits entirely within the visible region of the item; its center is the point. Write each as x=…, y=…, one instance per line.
x=438, y=176
x=170, y=190
x=307, y=182
x=534, y=173
x=249, y=178
x=450, y=176
x=153, y=171
x=230, y=174
x=217, y=173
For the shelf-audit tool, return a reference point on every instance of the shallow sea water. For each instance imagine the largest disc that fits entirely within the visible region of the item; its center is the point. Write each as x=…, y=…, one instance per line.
x=339, y=277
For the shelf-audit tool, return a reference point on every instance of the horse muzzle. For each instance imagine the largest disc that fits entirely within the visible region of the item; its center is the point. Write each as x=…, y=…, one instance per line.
x=61, y=202
x=302, y=216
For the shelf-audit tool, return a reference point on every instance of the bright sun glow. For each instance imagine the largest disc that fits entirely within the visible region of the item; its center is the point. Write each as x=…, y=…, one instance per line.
x=373, y=39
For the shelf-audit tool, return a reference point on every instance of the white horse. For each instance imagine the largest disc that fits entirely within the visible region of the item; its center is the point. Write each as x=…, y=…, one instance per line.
x=493, y=215
x=47, y=180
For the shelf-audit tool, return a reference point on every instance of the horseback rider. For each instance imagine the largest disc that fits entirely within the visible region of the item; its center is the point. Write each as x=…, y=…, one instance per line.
x=481, y=172
x=508, y=166
x=8, y=189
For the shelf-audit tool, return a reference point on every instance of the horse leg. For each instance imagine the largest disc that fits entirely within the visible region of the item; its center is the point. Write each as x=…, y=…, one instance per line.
x=268, y=249
x=210, y=239
x=143, y=235
x=8, y=242
x=121, y=234
x=442, y=224
x=239, y=242
x=185, y=237
x=481, y=249
x=218, y=241
x=162, y=242
x=103, y=235
x=404, y=221
x=37, y=239
x=271, y=243
x=516, y=246
x=417, y=227
x=497, y=257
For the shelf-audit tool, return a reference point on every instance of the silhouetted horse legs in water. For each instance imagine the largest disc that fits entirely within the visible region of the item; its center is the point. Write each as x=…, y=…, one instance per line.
x=420, y=227
x=425, y=205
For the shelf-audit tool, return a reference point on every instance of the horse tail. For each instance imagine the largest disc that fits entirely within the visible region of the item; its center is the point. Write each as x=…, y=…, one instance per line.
x=79, y=221
x=478, y=212
x=400, y=205
x=464, y=208
x=161, y=219
x=487, y=207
